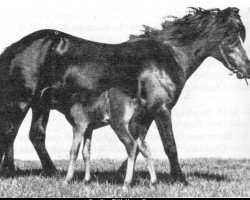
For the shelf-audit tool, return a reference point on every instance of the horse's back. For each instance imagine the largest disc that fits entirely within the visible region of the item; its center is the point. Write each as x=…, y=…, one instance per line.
x=49, y=57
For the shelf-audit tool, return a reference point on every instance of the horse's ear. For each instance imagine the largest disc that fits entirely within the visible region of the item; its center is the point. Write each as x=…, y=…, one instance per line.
x=230, y=11
x=235, y=10
x=224, y=14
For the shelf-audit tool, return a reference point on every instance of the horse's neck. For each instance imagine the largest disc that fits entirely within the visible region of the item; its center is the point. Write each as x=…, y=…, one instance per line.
x=189, y=57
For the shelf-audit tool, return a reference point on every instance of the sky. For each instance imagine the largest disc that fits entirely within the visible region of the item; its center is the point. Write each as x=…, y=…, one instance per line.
x=211, y=118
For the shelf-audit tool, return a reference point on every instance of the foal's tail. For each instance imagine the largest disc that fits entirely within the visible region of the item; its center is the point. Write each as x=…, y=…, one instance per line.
x=142, y=92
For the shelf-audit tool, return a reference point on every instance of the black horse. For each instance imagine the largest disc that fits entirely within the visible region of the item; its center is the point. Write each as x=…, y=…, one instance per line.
x=126, y=85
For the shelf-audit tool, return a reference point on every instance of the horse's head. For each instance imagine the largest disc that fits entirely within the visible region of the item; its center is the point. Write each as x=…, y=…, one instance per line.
x=229, y=50
x=213, y=32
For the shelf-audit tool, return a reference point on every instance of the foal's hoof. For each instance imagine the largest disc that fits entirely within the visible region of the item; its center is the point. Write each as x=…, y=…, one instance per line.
x=125, y=187
x=65, y=183
x=153, y=185
x=86, y=182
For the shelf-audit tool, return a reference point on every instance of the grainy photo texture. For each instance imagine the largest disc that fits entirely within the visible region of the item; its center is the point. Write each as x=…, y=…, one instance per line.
x=128, y=85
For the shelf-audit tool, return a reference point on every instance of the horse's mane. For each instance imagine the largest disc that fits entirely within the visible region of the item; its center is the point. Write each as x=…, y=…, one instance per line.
x=199, y=23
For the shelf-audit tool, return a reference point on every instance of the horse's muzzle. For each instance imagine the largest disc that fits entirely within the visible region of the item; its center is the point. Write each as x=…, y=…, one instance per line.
x=244, y=72
x=240, y=75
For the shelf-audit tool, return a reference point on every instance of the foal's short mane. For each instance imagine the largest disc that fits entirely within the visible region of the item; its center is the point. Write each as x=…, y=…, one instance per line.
x=213, y=24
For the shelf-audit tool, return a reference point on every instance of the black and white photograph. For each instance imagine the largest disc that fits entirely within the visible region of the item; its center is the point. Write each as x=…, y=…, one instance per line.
x=124, y=99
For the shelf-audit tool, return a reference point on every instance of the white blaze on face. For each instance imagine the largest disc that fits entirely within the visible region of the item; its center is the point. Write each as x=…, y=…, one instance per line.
x=238, y=54
x=242, y=43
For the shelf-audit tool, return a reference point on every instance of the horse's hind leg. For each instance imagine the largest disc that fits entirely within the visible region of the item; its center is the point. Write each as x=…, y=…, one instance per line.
x=86, y=153
x=37, y=136
x=10, y=129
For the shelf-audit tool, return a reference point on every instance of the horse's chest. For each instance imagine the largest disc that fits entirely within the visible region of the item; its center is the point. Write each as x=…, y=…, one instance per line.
x=156, y=86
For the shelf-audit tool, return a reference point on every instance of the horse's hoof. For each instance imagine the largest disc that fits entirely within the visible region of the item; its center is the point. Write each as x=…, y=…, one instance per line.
x=50, y=172
x=8, y=172
x=179, y=177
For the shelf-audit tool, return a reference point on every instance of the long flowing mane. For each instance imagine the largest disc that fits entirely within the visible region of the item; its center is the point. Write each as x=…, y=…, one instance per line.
x=199, y=23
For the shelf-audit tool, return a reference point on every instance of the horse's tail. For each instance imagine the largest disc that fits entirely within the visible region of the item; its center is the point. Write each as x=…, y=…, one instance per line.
x=45, y=91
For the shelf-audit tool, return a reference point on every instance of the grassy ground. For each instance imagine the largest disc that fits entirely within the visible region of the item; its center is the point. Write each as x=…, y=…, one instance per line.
x=207, y=178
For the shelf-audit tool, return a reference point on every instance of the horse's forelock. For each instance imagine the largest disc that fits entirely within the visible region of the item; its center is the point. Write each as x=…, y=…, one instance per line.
x=230, y=20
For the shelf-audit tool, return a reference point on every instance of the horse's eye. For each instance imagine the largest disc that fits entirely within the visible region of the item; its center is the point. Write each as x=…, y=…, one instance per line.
x=234, y=43
x=231, y=42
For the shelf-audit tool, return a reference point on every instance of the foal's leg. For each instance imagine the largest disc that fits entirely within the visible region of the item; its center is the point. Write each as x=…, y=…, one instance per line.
x=37, y=136
x=164, y=125
x=9, y=131
x=121, y=129
x=145, y=150
x=86, y=153
x=79, y=121
x=137, y=128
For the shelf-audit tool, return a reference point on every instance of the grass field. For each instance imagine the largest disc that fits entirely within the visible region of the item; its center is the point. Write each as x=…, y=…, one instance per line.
x=207, y=178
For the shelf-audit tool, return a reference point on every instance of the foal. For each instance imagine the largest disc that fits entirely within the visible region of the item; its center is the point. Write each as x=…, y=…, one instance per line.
x=112, y=107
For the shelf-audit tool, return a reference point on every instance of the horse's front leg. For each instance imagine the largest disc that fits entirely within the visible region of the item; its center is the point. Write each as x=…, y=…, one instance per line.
x=164, y=125
x=37, y=136
x=78, y=119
